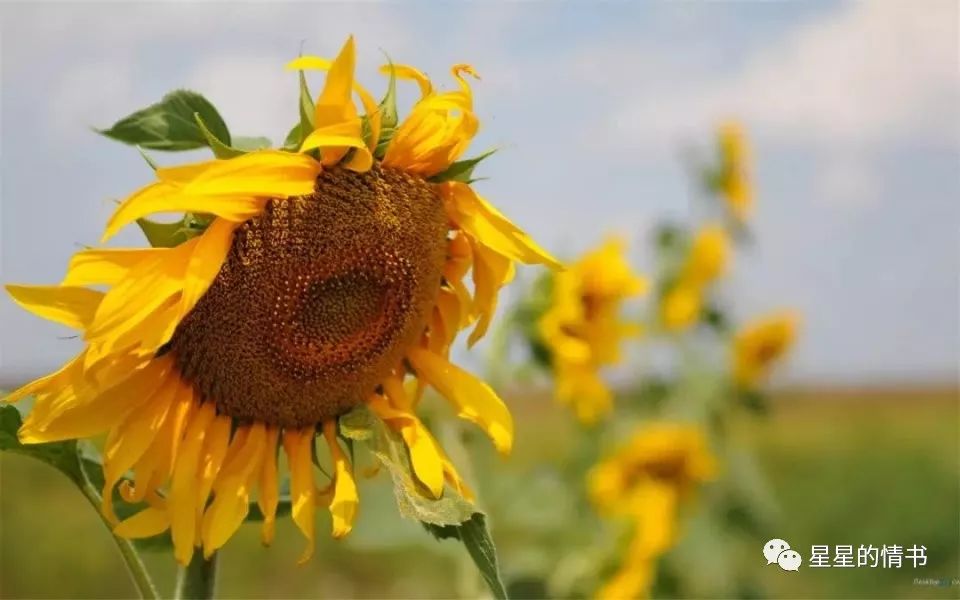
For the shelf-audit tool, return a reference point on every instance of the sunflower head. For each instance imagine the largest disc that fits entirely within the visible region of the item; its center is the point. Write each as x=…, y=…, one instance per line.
x=734, y=182
x=583, y=328
x=303, y=283
x=665, y=455
x=706, y=260
x=760, y=344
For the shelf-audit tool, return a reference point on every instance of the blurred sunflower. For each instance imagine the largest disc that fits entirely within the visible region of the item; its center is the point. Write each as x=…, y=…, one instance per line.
x=319, y=280
x=760, y=344
x=733, y=182
x=583, y=328
x=706, y=261
x=647, y=481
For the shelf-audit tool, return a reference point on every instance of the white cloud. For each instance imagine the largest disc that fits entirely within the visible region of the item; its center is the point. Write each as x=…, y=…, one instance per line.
x=870, y=72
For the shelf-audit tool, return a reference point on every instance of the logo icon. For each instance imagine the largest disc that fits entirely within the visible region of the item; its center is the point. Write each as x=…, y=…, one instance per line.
x=778, y=551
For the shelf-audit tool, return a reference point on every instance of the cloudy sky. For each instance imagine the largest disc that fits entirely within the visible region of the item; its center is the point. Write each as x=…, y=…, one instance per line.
x=852, y=109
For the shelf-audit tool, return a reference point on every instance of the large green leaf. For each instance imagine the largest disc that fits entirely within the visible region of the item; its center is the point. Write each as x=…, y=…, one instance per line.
x=413, y=500
x=170, y=124
x=448, y=517
x=475, y=536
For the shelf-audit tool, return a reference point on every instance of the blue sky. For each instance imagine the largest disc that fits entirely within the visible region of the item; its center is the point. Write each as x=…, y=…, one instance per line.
x=852, y=109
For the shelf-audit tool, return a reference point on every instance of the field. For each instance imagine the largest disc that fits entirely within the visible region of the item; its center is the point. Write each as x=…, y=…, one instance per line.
x=846, y=467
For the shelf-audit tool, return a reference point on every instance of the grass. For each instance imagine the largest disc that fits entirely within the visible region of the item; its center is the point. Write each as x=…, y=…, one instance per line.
x=846, y=468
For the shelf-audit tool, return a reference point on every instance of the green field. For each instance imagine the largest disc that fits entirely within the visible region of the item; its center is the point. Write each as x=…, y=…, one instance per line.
x=845, y=468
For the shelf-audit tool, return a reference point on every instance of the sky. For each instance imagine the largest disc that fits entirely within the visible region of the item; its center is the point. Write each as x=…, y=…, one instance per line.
x=852, y=110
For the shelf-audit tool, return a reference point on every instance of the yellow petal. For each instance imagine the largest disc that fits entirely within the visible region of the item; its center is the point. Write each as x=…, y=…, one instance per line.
x=105, y=266
x=205, y=261
x=44, y=384
x=424, y=451
x=164, y=197
x=343, y=505
x=334, y=103
x=298, y=446
x=146, y=288
x=129, y=440
x=268, y=497
x=68, y=305
x=264, y=173
x=215, y=446
x=475, y=400
x=231, y=501
x=79, y=415
x=489, y=227
x=146, y=523
x=182, y=500
x=491, y=271
x=410, y=73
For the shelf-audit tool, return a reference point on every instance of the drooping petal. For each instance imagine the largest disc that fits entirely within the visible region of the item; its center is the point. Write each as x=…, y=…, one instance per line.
x=425, y=454
x=298, y=446
x=68, y=305
x=410, y=73
x=345, y=500
x=182, y=503
x=474, y=399
x=128, y=441
x=231, y=500
x=106, y=266
x=487, y=225
x=491, y=271
x=146, y=288
x=148, y=522
x=268, y=495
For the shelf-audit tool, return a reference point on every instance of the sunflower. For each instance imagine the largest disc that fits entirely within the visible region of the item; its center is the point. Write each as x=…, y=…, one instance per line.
x=706, y=261
x=733, y=181
x=583, y=328
x=761, y=344
x=311, y=282
x=647, y=481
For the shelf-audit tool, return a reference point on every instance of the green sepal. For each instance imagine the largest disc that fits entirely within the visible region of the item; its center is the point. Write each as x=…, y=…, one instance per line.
x=170, y=124
x=169, y=235
x=461, y=170
x=388, y=114
x=475, y=536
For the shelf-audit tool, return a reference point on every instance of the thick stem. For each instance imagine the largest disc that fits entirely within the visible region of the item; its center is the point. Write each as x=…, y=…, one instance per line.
x=198, y=580
x=131, y=558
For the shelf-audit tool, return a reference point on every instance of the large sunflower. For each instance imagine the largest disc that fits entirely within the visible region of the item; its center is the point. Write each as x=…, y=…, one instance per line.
x=310, y=282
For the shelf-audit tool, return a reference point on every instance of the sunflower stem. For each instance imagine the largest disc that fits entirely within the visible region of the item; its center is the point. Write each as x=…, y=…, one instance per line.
x=198, y=580
x=128, y=551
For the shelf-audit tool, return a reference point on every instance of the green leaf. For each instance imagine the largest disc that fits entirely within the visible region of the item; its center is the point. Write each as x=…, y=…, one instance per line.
x=462, y=170
x=413, y=499
x=475, y=537
x=220, y=149
x=249, y=144
x=388, y=114
x=169, y=124
x=293, y=139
